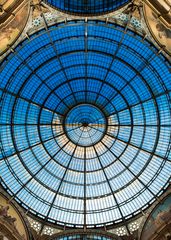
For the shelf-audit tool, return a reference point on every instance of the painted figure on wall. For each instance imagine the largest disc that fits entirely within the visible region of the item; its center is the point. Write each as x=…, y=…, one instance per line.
x=159, y=217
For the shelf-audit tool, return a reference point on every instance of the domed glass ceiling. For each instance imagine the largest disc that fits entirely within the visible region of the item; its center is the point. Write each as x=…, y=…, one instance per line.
x=85, y=123
x=83, y=237
x=85, y=7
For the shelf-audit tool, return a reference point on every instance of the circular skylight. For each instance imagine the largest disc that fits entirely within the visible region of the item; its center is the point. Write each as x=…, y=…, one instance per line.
x=85, y=124
x=87, y=7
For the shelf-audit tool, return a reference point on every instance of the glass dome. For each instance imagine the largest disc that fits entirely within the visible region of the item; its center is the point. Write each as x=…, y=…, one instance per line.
x=85, y=124
x=83, y=237
x=87, y=7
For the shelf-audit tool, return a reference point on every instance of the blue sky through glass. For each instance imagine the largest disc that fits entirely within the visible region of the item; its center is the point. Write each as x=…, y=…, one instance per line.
x=87, y=6
x=83, y=237
x=115, y=73
x=85, y=125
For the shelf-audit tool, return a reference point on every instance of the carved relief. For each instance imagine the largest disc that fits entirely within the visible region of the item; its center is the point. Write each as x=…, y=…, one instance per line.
x=159, y=31
x=8, y=222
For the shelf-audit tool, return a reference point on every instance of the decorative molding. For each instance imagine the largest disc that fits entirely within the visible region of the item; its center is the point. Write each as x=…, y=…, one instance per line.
x=9, y=230
x=19, y=211
x=147, y=214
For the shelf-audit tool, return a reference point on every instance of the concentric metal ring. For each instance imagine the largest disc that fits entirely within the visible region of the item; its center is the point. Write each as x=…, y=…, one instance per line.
x=50, y=167
x=85, y=125
x=90, y=7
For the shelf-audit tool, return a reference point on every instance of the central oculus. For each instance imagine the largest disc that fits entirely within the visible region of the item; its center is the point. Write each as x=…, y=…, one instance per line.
x=85, y=125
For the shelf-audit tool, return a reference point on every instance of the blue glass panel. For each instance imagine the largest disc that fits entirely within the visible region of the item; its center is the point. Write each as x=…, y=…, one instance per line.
x=85, y=123
x=85, y=237
x=87, y=7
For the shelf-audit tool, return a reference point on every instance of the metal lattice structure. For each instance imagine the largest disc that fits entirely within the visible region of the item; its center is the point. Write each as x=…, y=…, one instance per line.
x=85, y=124
x=87, y=7
x=83, y=237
